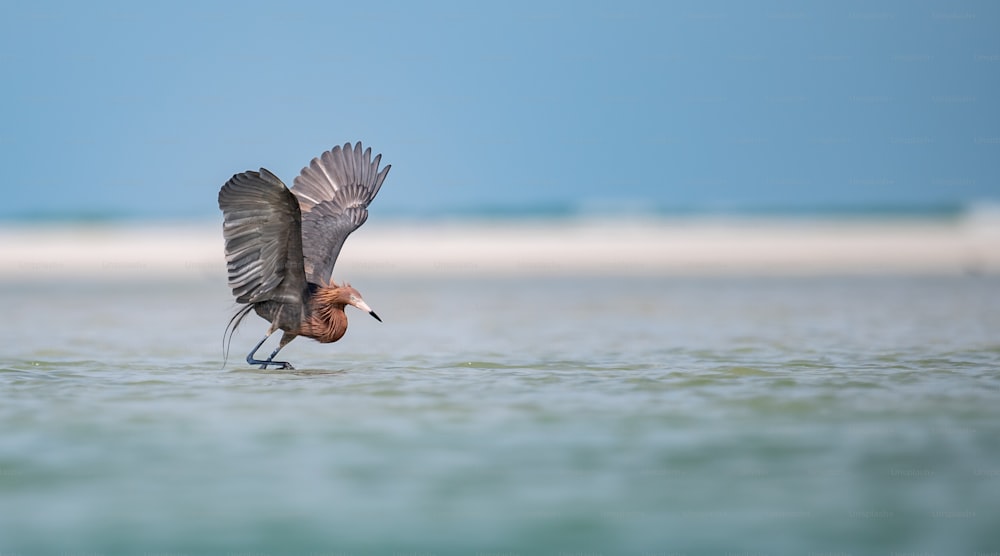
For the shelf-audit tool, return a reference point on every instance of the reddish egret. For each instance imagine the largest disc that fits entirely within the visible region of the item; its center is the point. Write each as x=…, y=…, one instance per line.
x=281, y=244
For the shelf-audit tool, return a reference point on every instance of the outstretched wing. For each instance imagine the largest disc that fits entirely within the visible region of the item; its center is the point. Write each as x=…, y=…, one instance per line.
x=262, y=228
x=334, y=192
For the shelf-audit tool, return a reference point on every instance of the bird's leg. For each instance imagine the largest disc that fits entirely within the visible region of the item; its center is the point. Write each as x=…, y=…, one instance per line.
x=250, y=356
x=285, y=338
x=271, y=361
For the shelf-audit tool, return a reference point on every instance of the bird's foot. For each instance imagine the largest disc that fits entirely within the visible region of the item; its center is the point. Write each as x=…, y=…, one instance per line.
x=282, y=365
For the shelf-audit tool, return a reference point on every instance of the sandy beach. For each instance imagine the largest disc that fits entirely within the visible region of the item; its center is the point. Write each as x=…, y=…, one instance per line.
x=686, y=246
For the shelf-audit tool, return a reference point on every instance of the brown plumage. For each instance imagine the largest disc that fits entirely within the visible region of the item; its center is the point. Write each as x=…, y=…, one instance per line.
x=327, y=321
x=282, y=245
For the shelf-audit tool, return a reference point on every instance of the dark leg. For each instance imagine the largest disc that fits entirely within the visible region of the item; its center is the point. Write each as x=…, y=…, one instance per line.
x=250, y=358
x=271, y=361
x=285, y=338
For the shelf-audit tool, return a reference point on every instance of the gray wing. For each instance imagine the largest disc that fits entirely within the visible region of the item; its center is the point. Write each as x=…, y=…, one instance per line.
x=262, y=228
x=334, y=192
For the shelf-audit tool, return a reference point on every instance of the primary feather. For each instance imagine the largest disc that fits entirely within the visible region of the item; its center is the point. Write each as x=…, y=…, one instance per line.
x=262, y=229
x=334, y=192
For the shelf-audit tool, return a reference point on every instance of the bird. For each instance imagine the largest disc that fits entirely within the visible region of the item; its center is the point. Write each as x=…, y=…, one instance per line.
x=281, y=245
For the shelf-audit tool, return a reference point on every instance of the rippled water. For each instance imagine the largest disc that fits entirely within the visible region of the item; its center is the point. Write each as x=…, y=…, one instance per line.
x=581, y=416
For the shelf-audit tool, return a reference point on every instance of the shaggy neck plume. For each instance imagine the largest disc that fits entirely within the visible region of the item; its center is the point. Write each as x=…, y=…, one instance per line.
x=327, y=321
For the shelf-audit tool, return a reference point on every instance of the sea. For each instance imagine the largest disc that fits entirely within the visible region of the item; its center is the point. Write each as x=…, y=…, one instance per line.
x=560, y=415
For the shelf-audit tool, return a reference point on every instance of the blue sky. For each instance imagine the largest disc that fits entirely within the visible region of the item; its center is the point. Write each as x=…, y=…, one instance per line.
x=144, y=109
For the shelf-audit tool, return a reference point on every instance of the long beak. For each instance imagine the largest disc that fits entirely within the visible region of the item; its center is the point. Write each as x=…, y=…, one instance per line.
x=364, y=307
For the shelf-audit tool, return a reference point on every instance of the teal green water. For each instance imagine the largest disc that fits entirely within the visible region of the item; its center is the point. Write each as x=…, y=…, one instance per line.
x=557, y=416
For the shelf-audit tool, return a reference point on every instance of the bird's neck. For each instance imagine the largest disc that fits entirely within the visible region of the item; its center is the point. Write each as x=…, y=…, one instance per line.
x=327, y=320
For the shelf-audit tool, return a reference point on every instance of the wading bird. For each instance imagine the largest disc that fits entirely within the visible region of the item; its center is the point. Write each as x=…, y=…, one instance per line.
x=282, y=244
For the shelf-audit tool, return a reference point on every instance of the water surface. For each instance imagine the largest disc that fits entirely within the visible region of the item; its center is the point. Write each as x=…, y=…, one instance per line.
x=553, y=416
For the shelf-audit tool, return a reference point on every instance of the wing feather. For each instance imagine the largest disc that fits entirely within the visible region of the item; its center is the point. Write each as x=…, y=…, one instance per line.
x=262, y=229
x=334, y=192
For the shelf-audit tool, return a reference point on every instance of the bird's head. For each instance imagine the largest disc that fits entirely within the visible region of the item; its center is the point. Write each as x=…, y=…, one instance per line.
x=353, y=297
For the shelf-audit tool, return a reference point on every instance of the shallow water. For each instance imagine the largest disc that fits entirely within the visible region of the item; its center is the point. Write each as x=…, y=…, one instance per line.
x=580, y=416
